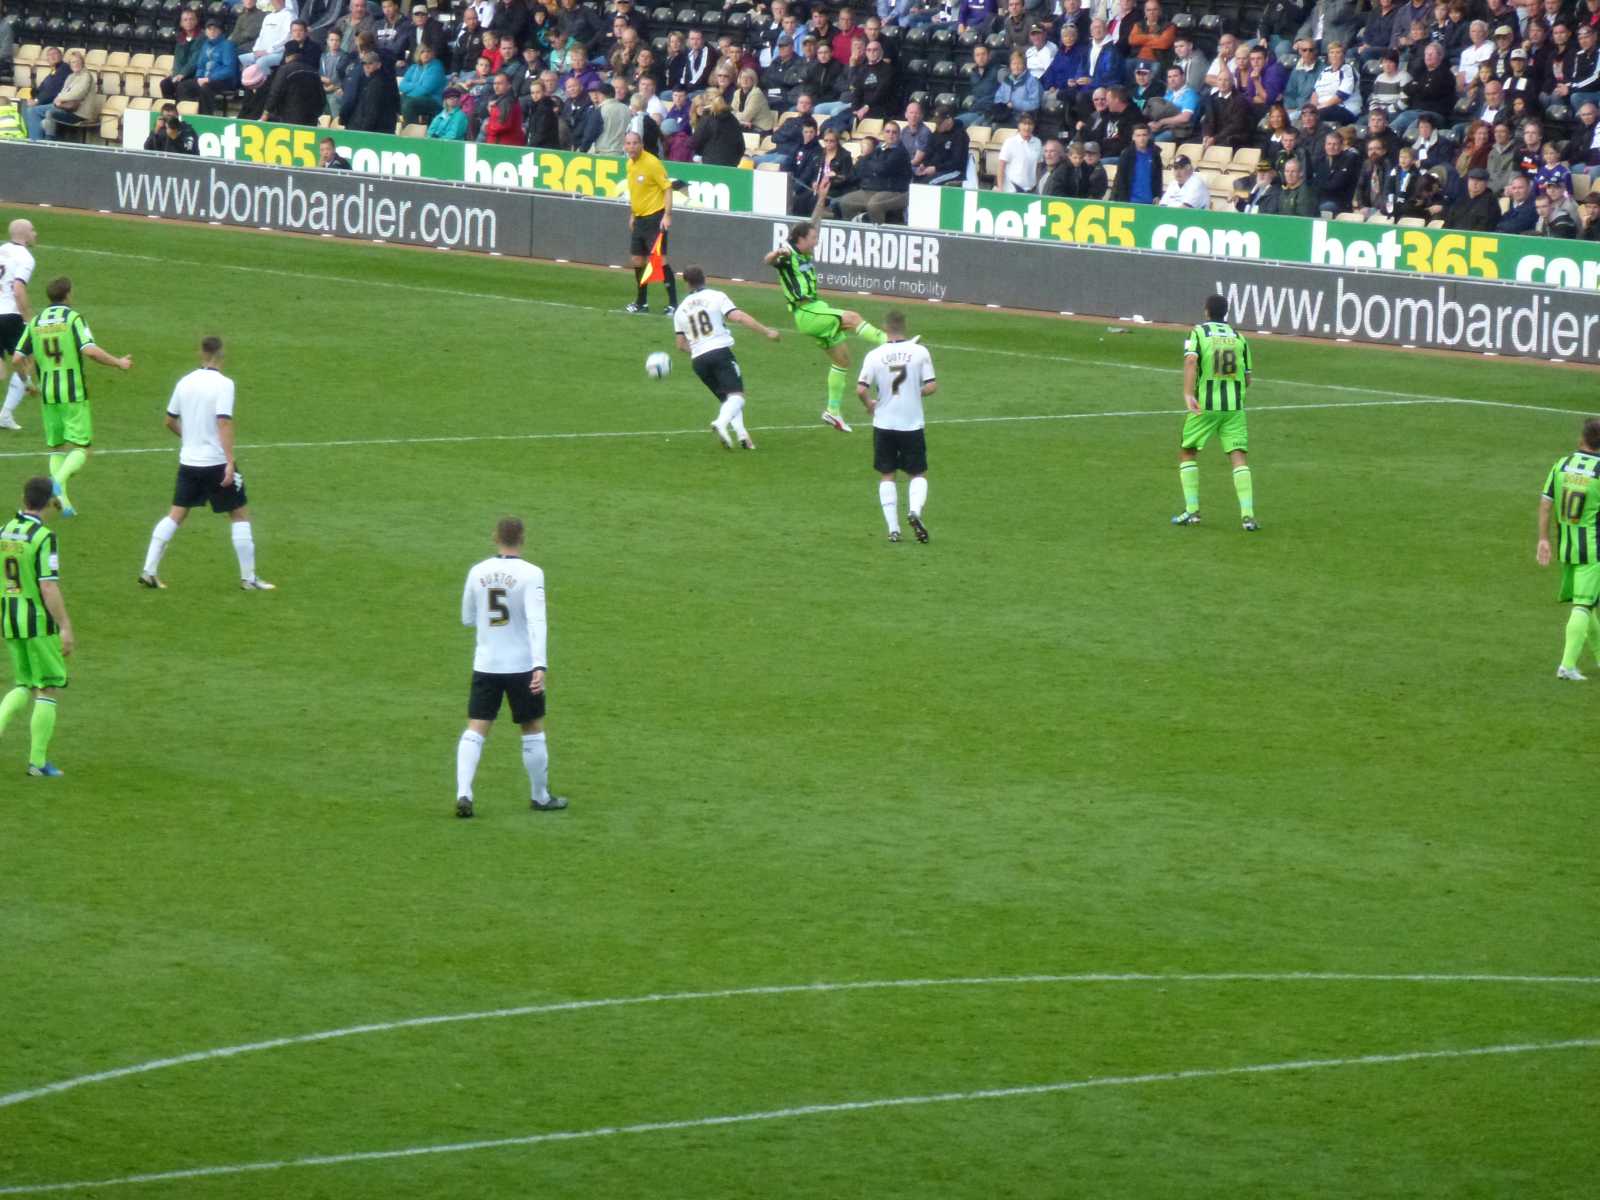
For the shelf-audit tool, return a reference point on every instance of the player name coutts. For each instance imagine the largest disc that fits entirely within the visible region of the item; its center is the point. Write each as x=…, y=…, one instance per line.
x=847, y=247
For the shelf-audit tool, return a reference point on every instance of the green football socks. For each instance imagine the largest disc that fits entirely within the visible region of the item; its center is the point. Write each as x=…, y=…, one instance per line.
x=1247, y=497
x=43, y=729
x=838, y=377
x=1189, y=474
x=64, y=467
x=868, y=332
x=1594, y=647
x=1577, y=635
x=11, y=705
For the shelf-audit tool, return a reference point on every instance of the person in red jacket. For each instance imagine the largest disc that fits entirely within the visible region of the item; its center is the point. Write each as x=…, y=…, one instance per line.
x=502, y=118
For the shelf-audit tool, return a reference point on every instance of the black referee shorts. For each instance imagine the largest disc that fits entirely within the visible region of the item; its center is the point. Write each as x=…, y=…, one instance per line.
x=203, y=485
x=642, y=238
x=11, y=327
x=483, y=704
x=719, y=370
x=899, y=450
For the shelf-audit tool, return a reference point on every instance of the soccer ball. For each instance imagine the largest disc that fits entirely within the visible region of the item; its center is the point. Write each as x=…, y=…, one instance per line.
x=658, y=365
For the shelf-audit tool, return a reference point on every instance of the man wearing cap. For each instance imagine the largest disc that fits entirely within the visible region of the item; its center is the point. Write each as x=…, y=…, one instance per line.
x=1590, y=209
x=1505, y=40
x=424, y=30
x=945, y=158
x=1264, y=193
x=1040, y=51
x=377, y=106
x=1185, y=189
x=216, y=69
x=1477, y=211
x=1149, y=93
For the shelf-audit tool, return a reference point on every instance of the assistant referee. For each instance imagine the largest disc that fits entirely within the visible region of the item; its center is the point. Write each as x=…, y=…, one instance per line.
x=650, y=213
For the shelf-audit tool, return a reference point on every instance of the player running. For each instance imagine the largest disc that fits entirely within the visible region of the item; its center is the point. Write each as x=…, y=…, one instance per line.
x=828, y=326
x=16, y=269
x=33, y=621
x=504, y=600
x=1216, y=374
x=894, y=379
x=701, y=326
x=56, y=342
x=1572, y=489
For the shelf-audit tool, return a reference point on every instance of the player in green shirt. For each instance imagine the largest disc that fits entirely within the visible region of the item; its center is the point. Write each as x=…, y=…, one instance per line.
x=57, y=341
x=33, y=621
x=1216, y=374
x=1572, y=489
x=824, y=324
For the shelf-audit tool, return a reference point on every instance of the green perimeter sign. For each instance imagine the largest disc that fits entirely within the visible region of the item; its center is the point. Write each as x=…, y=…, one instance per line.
x=1551, y=262
x=725, y=189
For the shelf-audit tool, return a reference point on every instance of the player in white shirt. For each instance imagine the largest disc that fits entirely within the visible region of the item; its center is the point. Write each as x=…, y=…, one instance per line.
x=701, y=323
x=201, y=413
x=16, y=269
x=894, y=379
x=504, y=601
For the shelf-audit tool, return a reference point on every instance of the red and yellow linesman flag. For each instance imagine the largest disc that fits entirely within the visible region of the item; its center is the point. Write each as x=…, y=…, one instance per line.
x=655, y=269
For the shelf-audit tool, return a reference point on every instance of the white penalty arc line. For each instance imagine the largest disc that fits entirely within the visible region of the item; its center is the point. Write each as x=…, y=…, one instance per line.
x=806, y=1110
x=1039, y=357
x=794, y=989
x=812, y=426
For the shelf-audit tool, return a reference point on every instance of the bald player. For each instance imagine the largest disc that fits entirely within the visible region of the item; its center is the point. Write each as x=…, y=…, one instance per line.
x=16, y=269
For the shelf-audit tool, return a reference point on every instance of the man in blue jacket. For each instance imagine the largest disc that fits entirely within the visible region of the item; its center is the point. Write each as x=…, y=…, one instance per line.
x=983, y=82
x=216, y=69
x=883, y=180
x=1068, y=72
x=1522, y=215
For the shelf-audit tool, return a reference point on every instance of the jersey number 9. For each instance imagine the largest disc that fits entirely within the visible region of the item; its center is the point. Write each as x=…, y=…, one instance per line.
x=499, y=614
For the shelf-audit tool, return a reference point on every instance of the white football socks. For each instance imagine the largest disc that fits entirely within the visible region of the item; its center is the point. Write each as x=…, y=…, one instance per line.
x=733, y=414
x=536, y=758
x=889, y=499
x=165, y=530
x=244, y=547
x=13, y=393
x=917, y=494
x=468, y=751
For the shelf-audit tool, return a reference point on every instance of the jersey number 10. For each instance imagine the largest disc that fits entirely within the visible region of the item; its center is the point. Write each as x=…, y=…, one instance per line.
x=1572, y=507
x=13, y=574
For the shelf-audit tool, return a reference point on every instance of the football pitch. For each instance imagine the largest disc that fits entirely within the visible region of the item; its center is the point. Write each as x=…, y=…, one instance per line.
x=1070, y=854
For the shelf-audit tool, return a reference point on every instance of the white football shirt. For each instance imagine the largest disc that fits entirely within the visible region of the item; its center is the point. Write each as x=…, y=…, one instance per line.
x=200, y=398
x=702, y=319
x=504, y=599
x=16, y=266
x=895, y=372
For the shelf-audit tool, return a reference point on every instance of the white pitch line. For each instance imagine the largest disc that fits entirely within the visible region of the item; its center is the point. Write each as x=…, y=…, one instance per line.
x=805, y=1110
x=699, y=430
x=793, y=989
x=1058, y=358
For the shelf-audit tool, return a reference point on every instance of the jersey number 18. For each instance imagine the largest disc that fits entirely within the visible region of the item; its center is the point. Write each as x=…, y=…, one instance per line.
x=701, y=321
x=1224, y=362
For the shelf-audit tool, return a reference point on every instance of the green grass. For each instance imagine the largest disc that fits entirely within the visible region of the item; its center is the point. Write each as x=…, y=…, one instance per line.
x=1062, y=738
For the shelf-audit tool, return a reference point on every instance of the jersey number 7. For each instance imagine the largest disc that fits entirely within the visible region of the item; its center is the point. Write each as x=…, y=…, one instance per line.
x=499, y=614
x=897, y=380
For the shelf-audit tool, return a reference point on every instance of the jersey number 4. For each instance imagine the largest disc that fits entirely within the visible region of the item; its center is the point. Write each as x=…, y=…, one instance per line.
x=1572, y=507
x=499, y=614
x=52, y=349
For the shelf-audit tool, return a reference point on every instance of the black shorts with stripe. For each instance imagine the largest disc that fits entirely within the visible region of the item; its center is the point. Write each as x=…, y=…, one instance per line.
x=719, y=370
x=488, y=690
x=899, y=450
x=11, y=327
x=203, y=485
x=642, y=238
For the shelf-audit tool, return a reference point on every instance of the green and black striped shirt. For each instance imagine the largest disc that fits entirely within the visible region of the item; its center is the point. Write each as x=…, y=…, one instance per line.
x=28, y=557
x=1224, y=359
x=797, y=273
x=55, y=340
x=1573, y=489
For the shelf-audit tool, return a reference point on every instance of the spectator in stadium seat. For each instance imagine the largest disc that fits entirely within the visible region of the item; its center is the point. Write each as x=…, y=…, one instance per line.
x=1561, y=201
x=1296, y=198
x=247, y=21
x=581, y=24
x=1377, y=36
x=1552, y=222
x=1475, y=153
x=1151, y=38
x=377, y=106
x=1530, y=151
x=1331, y=21
x=616, y=115
x=1378, y=127
x=1504, y=157
x=1068, y=72
x=1583, y=147
x=171, y=134
x=1338, y=95
x=846, y=33
x=1227, y=49
x=1058, y=172
x=1190, y=61
x=1585, y=85
x=1185, y=189
x=804, y=160
x=580, y=118
x=1590, y=208
x=422, y=87
x=267, y=52
x=1121, y=117
x=1333, y=175
x=834, y=163
x=449, y=124
x=1291, y=145
x=790, y=136
x=718, y=140
x=295, y=96
x=184, y=53
x=1263, y=194
x=216, y=69
x=1121, y=16
x=1487, y=102
x=1226, y=116
x=948, y=153
x=870, y=89
x=1477, y=210
x=1518, y=81
x=1138, y=170
x=334, y=62
x=1262, y=81
x=1172, y=118
x=825, y=76
x=1149, y=94
x=1433, y=90
x=1301, y=86
x=1016, y=24
x=542, y=116
x=75, y=104
x=975, y=15
x=1387, y=93
x=690, y=67
x=1093, y=178
x=1432, y=147
x=1040, y=51
x=1018, y=93
x=424, y=30
x=749, y=104
x=358, y=20
x=784, y=75
x=1402, y=193
x=883, y=181
x=1019, y=158
x=1274, y=125
x=1521, y=216
x=1479, y=49
x=915, y=133
x=501, y=118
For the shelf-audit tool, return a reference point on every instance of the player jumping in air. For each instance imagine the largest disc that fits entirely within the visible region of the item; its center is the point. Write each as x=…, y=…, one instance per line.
x=703, y=334
x=57, y=341
x=828, y=326
x=1216, y=374
x=1572, y=489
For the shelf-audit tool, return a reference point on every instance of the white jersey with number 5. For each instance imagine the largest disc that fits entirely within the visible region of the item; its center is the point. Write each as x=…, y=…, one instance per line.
x=895, y=372
x=701, y=318
x=16, y=266
x=504, y=599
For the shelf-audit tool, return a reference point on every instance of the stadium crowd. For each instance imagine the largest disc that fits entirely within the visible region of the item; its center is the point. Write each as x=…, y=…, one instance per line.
x=1471, y=114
